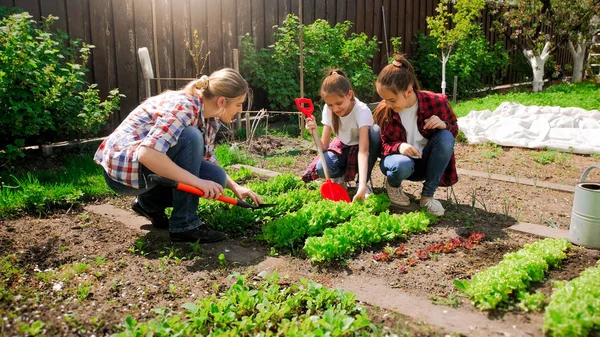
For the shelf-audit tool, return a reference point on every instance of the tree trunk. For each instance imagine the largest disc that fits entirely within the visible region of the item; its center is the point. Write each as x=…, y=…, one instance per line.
x=444, y=61
x=537, y=65
x=578, y=55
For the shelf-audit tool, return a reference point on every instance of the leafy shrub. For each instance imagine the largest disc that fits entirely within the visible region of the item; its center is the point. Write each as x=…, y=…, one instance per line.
x=276, y=69
x=472, y=61
x=43, y=93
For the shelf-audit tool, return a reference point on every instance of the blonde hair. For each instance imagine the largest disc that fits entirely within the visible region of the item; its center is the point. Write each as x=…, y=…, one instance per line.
x=335, y=83
x=226, y=82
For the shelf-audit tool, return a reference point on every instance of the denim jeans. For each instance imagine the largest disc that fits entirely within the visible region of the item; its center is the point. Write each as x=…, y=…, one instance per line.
x=187, y=154
x=337, y=164
x=435, y=158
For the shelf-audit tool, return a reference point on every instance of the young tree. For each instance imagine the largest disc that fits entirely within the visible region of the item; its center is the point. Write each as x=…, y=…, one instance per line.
x=526, y=23
x=463, y=20
x=576, y=21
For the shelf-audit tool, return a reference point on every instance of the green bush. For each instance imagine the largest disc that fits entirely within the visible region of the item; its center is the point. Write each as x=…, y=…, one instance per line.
x=43, y=93
x=472, y=61
x=276, y=69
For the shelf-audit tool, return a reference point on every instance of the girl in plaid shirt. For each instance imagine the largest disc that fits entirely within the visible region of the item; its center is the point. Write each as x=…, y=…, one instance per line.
x=172, y=135
x=357, y=142
x=417, y=133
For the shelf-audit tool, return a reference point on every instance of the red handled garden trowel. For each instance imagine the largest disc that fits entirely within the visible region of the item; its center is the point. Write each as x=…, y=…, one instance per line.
x=194, y=190
x=329, y=189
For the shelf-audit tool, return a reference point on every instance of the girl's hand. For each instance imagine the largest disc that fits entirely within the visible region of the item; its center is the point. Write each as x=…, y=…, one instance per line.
x=242, y=192
x=211, y=189
x=311, y=124
x=409, y=150
x=434, y=122
x=360, y=193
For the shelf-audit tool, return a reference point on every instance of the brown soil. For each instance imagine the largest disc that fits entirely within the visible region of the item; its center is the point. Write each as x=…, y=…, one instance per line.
x=160, y=274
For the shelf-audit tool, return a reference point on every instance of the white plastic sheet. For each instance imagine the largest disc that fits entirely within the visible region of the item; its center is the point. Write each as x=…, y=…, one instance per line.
x=511, y=124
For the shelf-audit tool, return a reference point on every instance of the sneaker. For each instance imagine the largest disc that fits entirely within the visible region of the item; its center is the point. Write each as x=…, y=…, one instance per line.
x=200, y=235
x=397, y=196
x=433, y=206
x=340, y=181
x=159, y=219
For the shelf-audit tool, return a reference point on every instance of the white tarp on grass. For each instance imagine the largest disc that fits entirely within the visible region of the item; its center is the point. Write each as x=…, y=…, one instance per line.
x=513, y=124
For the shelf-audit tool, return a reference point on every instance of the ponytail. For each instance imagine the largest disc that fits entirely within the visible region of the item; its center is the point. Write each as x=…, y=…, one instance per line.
x=397, y=77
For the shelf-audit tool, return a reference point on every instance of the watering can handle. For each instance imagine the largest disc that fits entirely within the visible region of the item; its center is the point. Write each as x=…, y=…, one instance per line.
x=585, y=173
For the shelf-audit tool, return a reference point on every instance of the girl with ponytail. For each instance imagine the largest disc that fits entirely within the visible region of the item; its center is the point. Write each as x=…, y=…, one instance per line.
x=357, y=143
x=172, y=135
x=417, y=133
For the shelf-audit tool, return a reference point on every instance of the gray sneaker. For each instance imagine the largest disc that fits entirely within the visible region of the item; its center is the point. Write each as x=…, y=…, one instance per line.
x=397, y=196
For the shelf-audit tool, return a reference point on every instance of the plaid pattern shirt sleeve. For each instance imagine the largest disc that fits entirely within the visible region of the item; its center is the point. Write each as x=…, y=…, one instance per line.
x=210, y=128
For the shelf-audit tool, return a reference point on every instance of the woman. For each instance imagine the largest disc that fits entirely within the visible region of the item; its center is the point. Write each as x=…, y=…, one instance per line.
x=170, y=135
x=417, y=133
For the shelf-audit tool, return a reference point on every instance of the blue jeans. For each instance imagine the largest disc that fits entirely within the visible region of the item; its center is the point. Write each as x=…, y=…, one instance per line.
x=435, y=158
x=337, y=164
x=187, y=154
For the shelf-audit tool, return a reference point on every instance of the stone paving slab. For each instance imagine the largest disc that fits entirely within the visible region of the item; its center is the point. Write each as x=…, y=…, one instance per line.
x=539, y=230
x=259, y=171
x=128, y=218
x=522, y=181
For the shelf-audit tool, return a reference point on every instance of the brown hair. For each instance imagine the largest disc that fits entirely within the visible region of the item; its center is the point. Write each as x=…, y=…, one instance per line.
x=226, y=82
x=397, y=77
x=335, y=83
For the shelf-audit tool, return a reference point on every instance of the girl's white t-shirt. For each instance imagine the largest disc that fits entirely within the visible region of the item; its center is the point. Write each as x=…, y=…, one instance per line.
x=408, y=117
x=350, y=124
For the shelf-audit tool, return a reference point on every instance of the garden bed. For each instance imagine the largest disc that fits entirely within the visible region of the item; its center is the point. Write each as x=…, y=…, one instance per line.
x=81, y=273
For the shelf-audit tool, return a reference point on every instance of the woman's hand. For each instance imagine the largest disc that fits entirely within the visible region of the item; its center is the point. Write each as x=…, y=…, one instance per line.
x=409, y=150
x=311, y=124
x=360, y=193
x=211, y=189
x=242, y=192
x=434, y=122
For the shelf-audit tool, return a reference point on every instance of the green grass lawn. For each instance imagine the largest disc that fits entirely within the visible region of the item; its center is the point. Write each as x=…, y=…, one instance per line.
x=582, y=95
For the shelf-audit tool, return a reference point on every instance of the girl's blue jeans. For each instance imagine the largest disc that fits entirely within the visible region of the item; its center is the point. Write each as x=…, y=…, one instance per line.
x=337, y=164
x=435, y=158
x=188, y=154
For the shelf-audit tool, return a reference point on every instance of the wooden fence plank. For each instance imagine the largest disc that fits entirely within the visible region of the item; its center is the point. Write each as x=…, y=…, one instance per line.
x=351, y=13
x=270, y=20
x=393, y=30
x=360, y=16
x=378, y=32
x=244, y=15
x=408, y=26
x=143, y=38
x=308, y=11
x=78, y=21
x=402, y=25
x=422, y=15
x=331, y=12
x=284, y=8
x=295, y=7
x=56, y=8
x=126, y=57
x=320, y=10
x=258, y=23
x=182, y=40
x=102, y=32
x=416, y=22
x=229, y=27
x=164, y=32
x=369, y=18
x=342, y=13
x=7, y=3
x=33, y=7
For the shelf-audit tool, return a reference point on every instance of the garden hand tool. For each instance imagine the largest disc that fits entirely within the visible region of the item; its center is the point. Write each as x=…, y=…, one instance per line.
x=329, y=190
x=194, y=190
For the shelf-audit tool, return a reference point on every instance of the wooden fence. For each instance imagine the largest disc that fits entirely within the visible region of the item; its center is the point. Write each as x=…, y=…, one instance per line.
x=117, y=28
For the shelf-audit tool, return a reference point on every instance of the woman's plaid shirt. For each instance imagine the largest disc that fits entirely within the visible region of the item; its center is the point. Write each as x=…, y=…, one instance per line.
x=157, y=123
